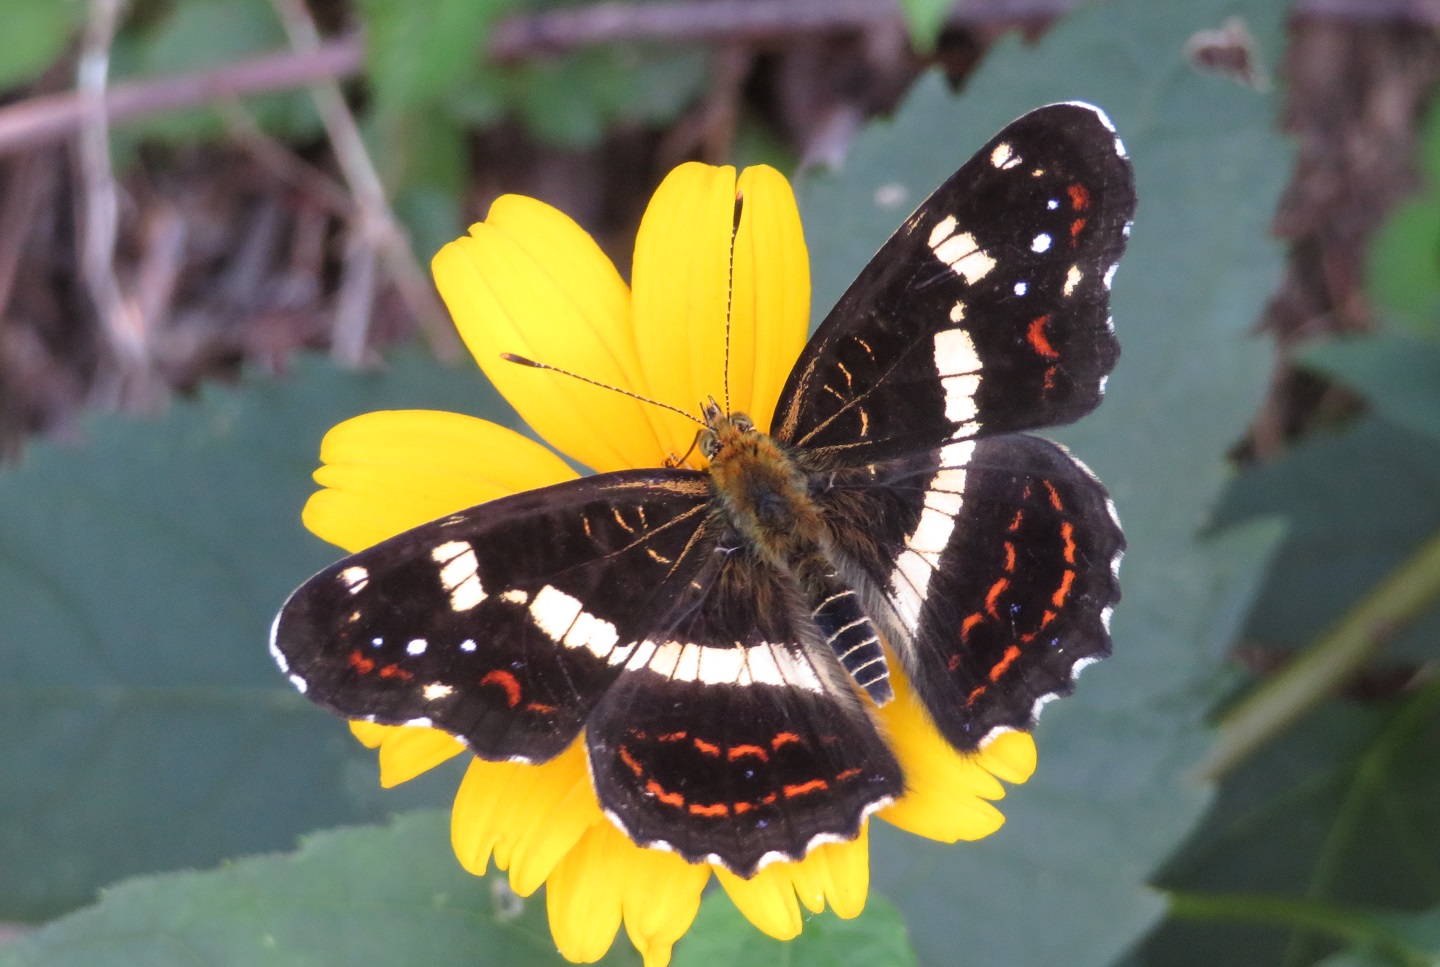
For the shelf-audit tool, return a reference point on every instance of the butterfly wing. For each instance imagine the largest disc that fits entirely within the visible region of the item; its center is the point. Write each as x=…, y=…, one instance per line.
x=993, y=564
x=988, y=311
x=734, y=736
x=505, y=623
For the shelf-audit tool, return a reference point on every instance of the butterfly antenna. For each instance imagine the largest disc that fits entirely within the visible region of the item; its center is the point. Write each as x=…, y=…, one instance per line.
x=521, y=360
x=730, y=293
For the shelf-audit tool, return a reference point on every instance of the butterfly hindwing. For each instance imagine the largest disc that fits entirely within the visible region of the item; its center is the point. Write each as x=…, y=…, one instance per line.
x=503, y=624
x=988, y=311
x=996, y=562
x=734, y=736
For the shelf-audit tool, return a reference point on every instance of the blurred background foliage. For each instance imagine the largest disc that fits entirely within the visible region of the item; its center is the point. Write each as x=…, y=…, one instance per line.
x=1253, y=778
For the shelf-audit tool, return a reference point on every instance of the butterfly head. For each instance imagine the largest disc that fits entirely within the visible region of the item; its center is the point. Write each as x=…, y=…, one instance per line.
x=725, y=432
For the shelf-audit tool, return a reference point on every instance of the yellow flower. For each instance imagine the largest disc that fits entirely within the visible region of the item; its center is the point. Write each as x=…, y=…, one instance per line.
x=528, y=280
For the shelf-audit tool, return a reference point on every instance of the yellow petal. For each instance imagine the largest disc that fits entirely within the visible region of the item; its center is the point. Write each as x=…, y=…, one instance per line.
x=528, y=816
x=389, y=471
x=834, y=873
x=1010, y=756
x=581, y=897
x=661, y=898
x=946, y=790
x=770, y=307
x=406, y=750
x=529, y=281
x=767, y=899
x=681, y=285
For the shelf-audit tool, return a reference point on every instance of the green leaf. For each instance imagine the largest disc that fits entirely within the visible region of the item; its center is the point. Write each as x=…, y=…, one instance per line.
x=1399, y=374
x=1357, y=503
x=569, y=101
x=1402, y=272
x=1065, y=880
x=146, y=727
x=1345, y=808
x=418, y=52
x=383, y=897
x=925, y=19
x=33, y=33
x=722, y=937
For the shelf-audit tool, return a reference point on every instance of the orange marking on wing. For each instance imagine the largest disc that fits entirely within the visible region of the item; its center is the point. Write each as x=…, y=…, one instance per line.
x=1063, y=591
x=360, y=663
x=1046, y=618
x=395, y=671
x=1050, y=378
x=539, y=708
x=800, y=789
x=953, y=663
x=1003, y=665
x=506, y=681
x=992, y=597
x=970, y=699
x=1079, y=197
x=630, y=762
x=1009, y=557
x=707, y=748
x=1017, y=519
x=1067, y=534
x=769, y=800
x=1054, y=495
x=668, y=798
x=1076, y=227
x=966, y=625
x=718, y=809
x=740, y=751
x=1037, y=338
x=672, y=737
x=743, y=807
x=784, y=739
x=849, y=774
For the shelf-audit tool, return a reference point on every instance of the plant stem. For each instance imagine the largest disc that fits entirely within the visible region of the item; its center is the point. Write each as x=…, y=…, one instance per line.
x=1337, y=654
x=1347, y=924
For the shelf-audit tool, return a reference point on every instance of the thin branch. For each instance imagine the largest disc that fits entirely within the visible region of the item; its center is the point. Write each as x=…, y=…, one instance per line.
x=376, y=223
x=118, y=318
x=1334, y=657
x=47, y=120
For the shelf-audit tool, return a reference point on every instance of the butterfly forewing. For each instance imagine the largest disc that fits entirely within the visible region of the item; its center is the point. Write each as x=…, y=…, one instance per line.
x=502, y=624
x=988, y=311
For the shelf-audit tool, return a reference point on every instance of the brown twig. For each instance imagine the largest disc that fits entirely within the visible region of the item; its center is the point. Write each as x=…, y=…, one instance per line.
x=375, y=223
x=46, y=120
x=124, y=329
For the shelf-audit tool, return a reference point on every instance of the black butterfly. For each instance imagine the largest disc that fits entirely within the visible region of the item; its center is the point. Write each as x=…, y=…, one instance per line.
x=714, y=633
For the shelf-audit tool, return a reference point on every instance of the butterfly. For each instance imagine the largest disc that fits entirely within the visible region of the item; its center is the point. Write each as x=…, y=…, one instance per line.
x=720, y=637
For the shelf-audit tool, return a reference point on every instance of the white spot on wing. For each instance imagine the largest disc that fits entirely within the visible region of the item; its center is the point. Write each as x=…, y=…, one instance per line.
x=299, y=683
x=435, y=691
x=957, y=454
x=417, y=647
x=554, y=611
x=942, y=230
x=1021, y=288
x=957, y=312
x=1110, y=275
x=1040, y=243
x=960, y=396
x=459, y=574
x=1072, y=279
x=355, y=578
x=275, y=648
x=468, y=644
x=515, y=596
x=1004, y=156
x=955, y=352
x=1053, y=204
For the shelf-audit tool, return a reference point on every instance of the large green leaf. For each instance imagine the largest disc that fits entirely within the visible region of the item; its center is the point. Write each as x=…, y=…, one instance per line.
x=1357, y=504
x=1064, y=881
x=722, y=937
x=146, y=727
x=33, y=34
x=382, y=897
x=1344, y=807
x=1399, y=374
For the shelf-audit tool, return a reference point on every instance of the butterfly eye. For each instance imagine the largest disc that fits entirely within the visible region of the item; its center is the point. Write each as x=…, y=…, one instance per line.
x=709, y=444
x=742, y=423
